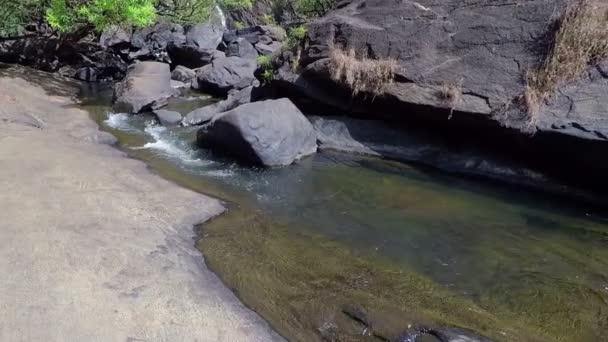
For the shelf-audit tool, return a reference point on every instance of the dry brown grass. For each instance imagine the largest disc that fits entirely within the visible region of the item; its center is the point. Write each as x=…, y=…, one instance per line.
x=451, y=95
x=361, y=75
x=581, y=39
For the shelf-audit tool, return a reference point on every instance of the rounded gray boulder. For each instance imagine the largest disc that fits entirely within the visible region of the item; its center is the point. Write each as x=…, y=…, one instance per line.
x=268, y=133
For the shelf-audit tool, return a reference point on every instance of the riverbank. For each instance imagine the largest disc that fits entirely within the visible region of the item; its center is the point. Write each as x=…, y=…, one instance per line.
x=93, y=246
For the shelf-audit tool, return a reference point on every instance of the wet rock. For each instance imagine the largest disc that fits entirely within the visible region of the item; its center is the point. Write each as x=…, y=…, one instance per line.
x=87, y=74
x=225, y=74
x=198, y=48
x=183, y=74
x=205, y=114
x=268, y=133
x=383, y=140
x=146, y=87
x=168, y=118
x=240, y=47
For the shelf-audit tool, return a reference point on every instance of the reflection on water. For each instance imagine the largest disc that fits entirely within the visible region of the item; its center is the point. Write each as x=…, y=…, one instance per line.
x=401, y=242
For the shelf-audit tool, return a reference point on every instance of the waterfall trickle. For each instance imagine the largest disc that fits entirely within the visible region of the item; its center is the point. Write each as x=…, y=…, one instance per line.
x=221, y=15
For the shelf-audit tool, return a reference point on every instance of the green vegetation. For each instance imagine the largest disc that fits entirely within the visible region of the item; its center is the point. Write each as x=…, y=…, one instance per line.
x=234, y=5
x=15, y=14
x=581, y=39
x=68, y=15
x=265, y=64
x=268, y=19
x=314, y=8
x=296, y=36
x=65, y=15
x=185, y=11
x=238, y=25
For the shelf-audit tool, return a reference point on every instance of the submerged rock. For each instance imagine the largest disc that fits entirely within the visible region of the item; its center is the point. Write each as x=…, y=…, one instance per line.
x=268, y=133
x=146, y=87
x=205, y=114
x=168, y=118
x=224, y=74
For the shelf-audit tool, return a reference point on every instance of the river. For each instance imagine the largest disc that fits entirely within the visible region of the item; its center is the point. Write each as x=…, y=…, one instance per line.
x=350, y=248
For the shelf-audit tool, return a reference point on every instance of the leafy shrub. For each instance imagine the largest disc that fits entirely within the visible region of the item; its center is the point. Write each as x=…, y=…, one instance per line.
x=15, y=14
x=234, y=5
x=65, y=15
x=314, y=8
x=296, y=36
x=186, y=11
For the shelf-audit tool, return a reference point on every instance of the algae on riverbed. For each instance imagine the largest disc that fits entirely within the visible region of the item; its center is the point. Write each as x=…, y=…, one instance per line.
x=301, y=283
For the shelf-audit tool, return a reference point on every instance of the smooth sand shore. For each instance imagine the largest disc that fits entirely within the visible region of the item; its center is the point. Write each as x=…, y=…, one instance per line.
x=93, y=246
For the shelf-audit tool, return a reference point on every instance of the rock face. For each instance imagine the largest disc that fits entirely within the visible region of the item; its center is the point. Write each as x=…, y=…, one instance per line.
x=225, y=74
x=146, y=87
x=151, y=43
x=269, y=133
x=198, y=47
x=481, y=51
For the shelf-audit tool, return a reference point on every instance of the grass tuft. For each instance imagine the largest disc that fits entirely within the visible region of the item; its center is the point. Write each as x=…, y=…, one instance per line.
x=361, y=75
x=451, y=94
x=581, y=39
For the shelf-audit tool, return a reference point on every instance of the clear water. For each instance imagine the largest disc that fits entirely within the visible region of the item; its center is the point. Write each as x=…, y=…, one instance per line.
x=529, y=266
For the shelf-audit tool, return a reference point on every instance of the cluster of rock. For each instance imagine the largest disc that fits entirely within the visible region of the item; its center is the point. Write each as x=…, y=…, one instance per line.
x=87, y=57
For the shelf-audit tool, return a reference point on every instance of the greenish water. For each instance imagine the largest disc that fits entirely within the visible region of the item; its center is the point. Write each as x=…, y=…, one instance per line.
x=308, y=245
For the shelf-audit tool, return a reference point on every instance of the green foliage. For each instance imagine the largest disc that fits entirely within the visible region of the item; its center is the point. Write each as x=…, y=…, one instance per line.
x=264, y=61
x=234, y=5
x=186, y=11
x=267, y=76
x=265, y=64
x=314, y=8
x=238, y=25
x=268, y=19
x=65, y=15
x=15, y=14
x=296, y=36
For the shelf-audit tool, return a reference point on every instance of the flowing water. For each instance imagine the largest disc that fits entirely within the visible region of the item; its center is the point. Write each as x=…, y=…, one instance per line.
x=348, y=248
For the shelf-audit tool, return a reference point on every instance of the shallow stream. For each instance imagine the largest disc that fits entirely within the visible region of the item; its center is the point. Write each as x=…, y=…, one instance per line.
x=349, y=248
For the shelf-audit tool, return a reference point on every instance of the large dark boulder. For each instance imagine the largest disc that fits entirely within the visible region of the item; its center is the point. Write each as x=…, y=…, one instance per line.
x=198, y=47
x=224, y=74
x=268, y=133
x=146, y=87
